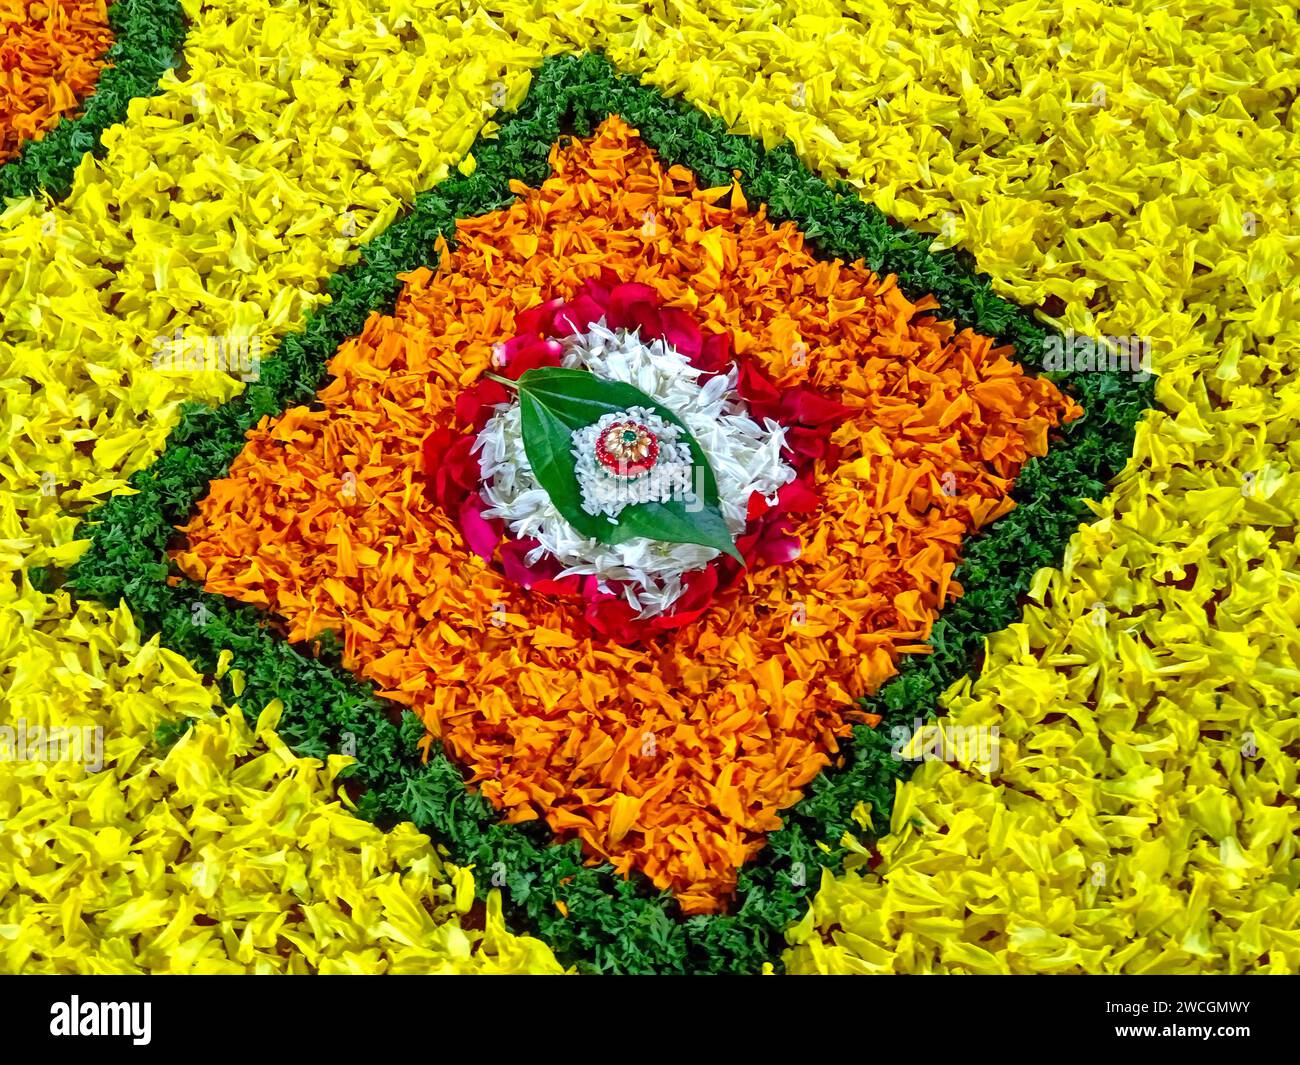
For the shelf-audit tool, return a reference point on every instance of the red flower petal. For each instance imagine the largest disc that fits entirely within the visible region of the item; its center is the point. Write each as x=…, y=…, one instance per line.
x=757, y=390
x=434, y=446
x=599, y=290
x=579, y=314
x=474, y=405
x=523, y=353
x=772, y=542
x=808, y=407
x=808, y=445
x=630, y=305
x=611, y=616
x=481, y=534
x=715, y=353
x=539, y=319
x=644, y=318
x=567, y=586
x=695, y=599
x=453, y=472
x=798, y=497
x=538, y=577
x=460, y=465
x=680, y=330
x=512, y=561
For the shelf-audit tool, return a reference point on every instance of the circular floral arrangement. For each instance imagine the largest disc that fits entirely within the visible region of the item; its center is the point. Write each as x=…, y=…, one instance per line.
x=630, y=457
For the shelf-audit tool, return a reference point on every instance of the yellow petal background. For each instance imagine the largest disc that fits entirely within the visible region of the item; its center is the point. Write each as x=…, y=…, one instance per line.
x=226, y=853
x=1135, y=166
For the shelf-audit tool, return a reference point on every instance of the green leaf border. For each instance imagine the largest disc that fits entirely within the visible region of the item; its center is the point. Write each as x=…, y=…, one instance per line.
x=614, y=925
x=148, y=38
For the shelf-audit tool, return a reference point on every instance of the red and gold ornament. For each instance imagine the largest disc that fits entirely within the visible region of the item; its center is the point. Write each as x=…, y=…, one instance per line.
x=627, y=449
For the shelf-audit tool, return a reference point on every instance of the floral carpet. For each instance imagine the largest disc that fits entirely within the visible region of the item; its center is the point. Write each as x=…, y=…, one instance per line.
x=970, y=333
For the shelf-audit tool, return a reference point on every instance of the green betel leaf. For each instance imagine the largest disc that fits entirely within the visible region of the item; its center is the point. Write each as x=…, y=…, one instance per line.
x=554, y=403
x=548, y=445
x=675, y=522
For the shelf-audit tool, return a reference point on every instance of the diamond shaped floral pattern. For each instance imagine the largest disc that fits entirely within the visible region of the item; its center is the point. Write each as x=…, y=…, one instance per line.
x=611, y=770
x=673, y=754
